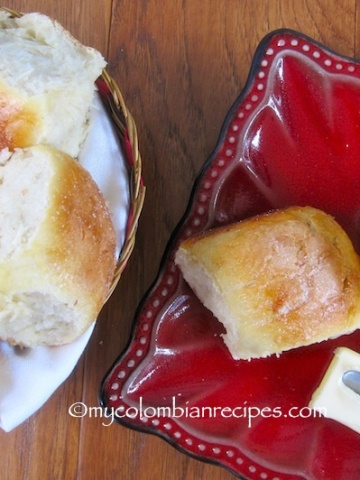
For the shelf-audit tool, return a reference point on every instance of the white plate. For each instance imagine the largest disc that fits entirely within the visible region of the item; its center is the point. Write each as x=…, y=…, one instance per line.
x=28, y=377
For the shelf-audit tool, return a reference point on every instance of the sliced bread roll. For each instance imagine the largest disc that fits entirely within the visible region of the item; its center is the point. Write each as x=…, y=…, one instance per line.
x=277, y=281
x=47, y=84
x=57, y=248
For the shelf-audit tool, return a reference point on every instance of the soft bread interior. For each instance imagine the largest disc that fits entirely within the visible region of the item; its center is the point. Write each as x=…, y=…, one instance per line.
x=209, y=291
x=24, y=192
x=33, y=317
x=37, y=54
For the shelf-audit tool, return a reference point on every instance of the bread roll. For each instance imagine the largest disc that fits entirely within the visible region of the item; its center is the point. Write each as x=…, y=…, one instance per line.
x=47, y=84
x=277, y=281
x=57, y=248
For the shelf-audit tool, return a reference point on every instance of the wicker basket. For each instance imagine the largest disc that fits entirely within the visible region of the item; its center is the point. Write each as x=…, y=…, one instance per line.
x=126, y=130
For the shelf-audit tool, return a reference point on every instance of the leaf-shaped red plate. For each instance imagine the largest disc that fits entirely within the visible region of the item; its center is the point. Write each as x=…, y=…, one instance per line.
x=291, y=138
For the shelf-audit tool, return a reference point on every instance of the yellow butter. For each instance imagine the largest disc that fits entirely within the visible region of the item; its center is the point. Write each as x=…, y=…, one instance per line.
x=333, y=398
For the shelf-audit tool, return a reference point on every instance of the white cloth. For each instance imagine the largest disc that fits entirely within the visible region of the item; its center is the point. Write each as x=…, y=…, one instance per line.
x=28, y=377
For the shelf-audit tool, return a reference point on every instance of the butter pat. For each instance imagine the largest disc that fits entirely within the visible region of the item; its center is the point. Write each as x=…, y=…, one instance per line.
x=333, y=398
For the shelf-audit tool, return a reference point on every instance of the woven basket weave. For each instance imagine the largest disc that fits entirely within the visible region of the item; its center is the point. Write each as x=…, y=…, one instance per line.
x=127, y=133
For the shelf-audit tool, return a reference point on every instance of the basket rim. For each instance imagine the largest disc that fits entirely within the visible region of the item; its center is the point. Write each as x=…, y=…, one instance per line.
x=127, y=132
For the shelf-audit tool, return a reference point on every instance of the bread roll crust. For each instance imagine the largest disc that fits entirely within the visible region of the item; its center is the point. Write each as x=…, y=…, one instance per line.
x=55, y=279
x=19, y=120
x=47, y=84
x=278, y=281
x=77, y=235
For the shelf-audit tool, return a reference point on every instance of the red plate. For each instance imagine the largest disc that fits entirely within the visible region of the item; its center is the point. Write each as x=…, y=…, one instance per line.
x=291, y=138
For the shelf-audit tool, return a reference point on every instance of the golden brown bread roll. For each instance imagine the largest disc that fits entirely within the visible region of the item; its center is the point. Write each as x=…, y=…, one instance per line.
x=277, y=281
x=57, y=247
x=47, y=84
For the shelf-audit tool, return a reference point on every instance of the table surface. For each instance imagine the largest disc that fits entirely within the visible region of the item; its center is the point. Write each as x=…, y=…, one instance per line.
x=180, y=64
